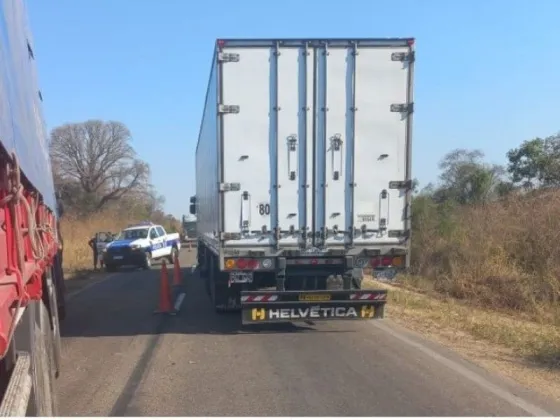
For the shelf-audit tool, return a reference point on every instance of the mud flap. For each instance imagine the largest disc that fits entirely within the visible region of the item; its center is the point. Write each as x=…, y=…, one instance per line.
x=225, y=297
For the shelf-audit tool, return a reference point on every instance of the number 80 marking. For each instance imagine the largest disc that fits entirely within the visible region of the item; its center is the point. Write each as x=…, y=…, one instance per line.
x=264, y=209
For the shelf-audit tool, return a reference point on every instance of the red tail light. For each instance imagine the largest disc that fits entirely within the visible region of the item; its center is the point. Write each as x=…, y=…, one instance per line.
x=242, y=263
x=253, y=264
x=386, y=261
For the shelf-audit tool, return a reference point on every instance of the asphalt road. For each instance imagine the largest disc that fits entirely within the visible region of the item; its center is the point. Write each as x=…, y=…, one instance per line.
x=122, y=360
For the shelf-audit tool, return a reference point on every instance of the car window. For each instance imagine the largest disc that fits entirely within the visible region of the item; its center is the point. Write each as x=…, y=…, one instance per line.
x=134, y=234
x=160, y=231
x=153, y=234
x=103, y=237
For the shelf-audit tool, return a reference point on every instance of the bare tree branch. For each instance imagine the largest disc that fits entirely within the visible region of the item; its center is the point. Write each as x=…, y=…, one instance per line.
x=96, y=156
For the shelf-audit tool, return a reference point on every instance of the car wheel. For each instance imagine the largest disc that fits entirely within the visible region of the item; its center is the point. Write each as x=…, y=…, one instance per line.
x=171, y=257
x=147, y=261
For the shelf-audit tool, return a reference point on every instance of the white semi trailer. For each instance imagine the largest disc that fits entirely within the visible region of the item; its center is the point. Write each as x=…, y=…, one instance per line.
x=303, y=175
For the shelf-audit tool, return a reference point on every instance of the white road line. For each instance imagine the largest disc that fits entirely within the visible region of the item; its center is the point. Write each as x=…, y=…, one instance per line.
x=179, y=301
x=469, y=374
x=72, y=295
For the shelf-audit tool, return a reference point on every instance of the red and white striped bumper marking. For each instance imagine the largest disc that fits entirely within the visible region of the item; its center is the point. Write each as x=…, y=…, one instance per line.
x=259, y=298
x=367, y=296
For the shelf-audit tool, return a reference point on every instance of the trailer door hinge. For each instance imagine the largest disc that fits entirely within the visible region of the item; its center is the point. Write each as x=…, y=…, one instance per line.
x=230, y=186
x=228, y=109
x=405, y=108
x=400, y=185
x=402, y=56
x=228, y=57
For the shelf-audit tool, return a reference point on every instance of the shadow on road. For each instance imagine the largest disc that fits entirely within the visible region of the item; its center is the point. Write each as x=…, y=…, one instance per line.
x=124, y=305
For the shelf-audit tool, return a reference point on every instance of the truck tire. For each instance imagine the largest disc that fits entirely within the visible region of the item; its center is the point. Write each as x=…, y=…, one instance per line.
x=50, y=299
x=60, y=287
x=207, y=286
x=43, y=397
x=220, y=293
x=203, y=261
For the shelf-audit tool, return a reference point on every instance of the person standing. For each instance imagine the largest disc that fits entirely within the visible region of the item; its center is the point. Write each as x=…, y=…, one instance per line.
x=93, y=245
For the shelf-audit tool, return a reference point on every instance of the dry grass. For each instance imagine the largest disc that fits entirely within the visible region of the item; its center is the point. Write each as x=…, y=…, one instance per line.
x=76, y=233
x=526, y=351
x=485, y=280
x=504, y=256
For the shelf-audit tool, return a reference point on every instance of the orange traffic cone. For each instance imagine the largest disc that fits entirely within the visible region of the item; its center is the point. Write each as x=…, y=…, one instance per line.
x=165, y=306
x=176, y=272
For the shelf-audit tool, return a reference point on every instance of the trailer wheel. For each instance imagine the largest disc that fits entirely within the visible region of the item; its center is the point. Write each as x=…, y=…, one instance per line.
x=52, y=304
x=356, y=283
x=44, y=403
x=211, y=281
x=207, y=286
x=218, y=290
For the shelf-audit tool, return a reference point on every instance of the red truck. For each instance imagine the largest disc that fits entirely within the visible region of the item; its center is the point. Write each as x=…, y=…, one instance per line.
x=31, y=277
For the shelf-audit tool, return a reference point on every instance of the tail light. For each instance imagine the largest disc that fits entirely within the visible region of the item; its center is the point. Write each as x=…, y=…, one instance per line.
x=397, y=261
x=386, y=261
x=253, y=264
x=241, y=263
x=244, y=264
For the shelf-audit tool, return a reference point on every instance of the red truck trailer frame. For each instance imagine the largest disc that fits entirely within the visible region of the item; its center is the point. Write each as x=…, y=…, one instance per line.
x=31, y=277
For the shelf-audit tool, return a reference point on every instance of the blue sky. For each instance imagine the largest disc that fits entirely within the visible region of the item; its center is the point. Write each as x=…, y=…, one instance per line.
x=487, y=72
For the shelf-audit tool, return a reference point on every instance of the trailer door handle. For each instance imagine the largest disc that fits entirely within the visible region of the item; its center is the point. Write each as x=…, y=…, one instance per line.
x=292, y=156
x=336, y=147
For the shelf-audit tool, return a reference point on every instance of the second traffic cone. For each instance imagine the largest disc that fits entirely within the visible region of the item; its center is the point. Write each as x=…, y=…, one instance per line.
x=164, y=293
x=176, y=272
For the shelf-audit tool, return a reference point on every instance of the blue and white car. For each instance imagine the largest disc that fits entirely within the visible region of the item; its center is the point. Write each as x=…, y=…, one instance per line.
x=140, y=245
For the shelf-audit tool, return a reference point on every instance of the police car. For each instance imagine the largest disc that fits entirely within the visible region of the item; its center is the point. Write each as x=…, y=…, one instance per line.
x=139, y=245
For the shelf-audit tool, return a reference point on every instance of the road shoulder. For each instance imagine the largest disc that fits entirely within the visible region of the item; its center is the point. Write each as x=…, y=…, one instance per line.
x=490, y=340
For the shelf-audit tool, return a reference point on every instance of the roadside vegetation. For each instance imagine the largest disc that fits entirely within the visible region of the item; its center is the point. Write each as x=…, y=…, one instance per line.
x=489, y=235
x=486, y=260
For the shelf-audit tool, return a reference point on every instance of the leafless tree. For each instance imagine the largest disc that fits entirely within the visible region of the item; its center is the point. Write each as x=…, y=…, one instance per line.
x=95, y=164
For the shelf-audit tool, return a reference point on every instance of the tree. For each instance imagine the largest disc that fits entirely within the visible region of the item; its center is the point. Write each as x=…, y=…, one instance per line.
x=536, y=163
x=94, y=164
x=466, y=179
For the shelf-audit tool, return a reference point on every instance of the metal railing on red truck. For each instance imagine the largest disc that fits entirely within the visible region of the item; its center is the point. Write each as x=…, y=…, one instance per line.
x=31, y=278
x=303, y=175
